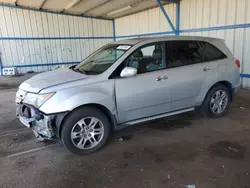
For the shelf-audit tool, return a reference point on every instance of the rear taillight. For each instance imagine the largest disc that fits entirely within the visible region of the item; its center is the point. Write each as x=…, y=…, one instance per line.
x=237, y=62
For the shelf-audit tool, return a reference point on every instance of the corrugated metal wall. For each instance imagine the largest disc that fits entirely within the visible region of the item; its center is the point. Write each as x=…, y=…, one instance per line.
x=194, y=16
x=149, y=21
x=30, y=38
x=213, y=13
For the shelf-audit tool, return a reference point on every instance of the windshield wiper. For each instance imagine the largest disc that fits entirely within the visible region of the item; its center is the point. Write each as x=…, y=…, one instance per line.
x=80, y=71
x=72, y=67
x=85, y=71
x=90, y=72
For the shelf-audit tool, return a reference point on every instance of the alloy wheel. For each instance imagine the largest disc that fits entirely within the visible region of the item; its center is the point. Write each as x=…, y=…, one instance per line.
x=219, y=102
x=87, y=133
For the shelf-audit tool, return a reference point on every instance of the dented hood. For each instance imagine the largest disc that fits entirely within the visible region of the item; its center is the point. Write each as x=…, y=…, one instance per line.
x=51, y=78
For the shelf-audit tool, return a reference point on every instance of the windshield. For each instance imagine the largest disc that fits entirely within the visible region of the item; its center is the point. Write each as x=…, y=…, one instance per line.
x=102, y=59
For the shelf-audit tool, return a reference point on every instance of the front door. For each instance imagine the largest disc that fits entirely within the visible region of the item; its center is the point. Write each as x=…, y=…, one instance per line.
x=147, y=93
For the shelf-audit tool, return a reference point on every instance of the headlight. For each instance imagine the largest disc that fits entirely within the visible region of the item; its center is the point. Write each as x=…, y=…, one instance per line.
x=37, y=100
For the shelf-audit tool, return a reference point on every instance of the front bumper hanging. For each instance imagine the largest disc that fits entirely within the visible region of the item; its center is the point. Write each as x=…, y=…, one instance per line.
x=42, y=125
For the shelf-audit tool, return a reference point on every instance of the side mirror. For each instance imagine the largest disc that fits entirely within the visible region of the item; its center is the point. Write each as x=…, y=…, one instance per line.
x=128, y=72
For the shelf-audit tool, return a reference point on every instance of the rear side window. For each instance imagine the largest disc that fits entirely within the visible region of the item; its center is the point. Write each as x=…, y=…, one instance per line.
x=181, y=53
x=211, y=53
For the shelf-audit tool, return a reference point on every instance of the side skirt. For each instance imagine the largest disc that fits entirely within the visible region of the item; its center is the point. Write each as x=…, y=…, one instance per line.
x=133, y=122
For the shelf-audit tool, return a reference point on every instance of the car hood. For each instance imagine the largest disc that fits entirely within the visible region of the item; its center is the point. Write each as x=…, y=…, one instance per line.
x=51, y=78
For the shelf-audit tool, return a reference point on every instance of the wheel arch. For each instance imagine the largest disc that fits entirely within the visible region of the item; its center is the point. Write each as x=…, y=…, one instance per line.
x=225, y=83
x=61, y=118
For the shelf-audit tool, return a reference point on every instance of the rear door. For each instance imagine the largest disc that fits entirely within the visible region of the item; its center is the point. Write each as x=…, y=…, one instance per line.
x=188, y=73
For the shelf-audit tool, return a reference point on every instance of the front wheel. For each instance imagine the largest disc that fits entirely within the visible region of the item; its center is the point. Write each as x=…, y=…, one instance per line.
x=85, y=131
x=217, y=101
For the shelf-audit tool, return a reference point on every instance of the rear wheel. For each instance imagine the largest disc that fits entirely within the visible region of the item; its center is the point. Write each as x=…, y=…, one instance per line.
x=85, y=131
x=217, y=101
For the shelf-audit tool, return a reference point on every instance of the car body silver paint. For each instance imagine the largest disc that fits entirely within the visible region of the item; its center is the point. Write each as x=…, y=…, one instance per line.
x=185, y=86
x=67, y=99
x=49, y=79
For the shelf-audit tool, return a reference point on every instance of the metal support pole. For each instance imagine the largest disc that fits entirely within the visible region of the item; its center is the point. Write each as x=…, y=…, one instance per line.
x=166, y=15
x=1, y=65
x=114, y=33
x=178, y=17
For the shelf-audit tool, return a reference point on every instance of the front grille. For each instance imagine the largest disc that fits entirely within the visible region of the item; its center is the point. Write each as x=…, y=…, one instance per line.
x=26, y=111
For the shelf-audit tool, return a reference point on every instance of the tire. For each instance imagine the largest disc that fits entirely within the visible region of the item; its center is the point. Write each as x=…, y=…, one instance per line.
x=207, y=106
x=78, y=124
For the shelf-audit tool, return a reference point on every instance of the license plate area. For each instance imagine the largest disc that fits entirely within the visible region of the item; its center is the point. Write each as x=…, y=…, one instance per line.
x=25, y=115
x=25, y=121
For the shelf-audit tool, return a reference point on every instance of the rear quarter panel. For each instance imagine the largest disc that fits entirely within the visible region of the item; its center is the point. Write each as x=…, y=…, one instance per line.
x=225, y=70
x=228, y=71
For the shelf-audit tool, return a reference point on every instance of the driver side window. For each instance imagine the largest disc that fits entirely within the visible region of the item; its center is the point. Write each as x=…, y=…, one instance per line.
x=148, y=58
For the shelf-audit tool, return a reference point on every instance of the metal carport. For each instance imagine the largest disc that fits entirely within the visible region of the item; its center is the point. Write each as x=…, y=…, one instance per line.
x=38, y=34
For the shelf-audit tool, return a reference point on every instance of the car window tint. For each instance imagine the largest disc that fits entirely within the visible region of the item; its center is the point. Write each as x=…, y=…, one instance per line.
x=180, y=53
x=148, y=51
x=148, y=58
x=211, y=53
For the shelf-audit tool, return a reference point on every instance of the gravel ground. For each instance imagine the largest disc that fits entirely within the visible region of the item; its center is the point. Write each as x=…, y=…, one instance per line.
x=178, y=151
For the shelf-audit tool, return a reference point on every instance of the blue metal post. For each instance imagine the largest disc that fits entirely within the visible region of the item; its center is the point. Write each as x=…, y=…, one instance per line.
x=114, y=34
x=1, y=66
x=1, y=69
x=177, y=17
x=166, y=15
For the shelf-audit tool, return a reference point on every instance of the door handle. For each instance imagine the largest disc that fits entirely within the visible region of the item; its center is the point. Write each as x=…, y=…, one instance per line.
x=161, y=78
x=207, y=69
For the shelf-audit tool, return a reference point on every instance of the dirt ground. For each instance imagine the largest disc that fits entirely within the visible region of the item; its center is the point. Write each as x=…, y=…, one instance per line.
x=178, y=151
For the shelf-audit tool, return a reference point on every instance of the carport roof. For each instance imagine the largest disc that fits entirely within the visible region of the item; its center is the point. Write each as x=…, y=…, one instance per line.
x=94, y=8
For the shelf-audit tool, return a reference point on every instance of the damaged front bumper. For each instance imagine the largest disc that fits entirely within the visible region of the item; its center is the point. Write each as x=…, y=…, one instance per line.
x=43, y=126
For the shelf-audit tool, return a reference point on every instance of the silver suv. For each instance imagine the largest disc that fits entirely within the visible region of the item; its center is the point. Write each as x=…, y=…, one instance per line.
x=125, y=83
